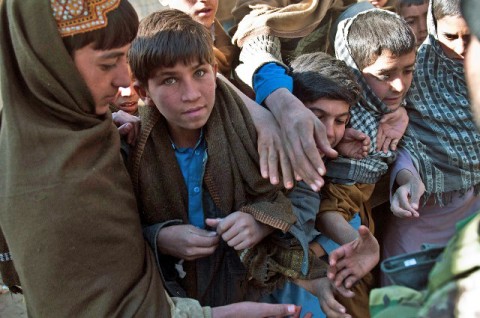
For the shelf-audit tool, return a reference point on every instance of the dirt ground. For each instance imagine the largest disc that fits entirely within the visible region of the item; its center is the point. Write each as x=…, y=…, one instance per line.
x=11, y=305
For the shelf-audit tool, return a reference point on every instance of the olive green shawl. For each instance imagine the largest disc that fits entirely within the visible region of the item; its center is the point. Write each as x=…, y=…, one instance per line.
x=67, y=208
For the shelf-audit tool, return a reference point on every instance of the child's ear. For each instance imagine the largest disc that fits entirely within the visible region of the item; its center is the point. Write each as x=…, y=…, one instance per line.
x=143, y=93
x=215, y=69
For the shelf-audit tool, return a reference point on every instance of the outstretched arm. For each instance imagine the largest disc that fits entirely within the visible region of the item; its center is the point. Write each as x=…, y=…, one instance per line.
x=391, y=129
x=406, y=199
x=354, y=144
x=304, y=136
x=350, y=262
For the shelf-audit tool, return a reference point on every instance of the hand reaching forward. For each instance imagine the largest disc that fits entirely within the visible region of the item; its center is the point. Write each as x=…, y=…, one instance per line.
x=406, y=199
x=354, y=144
x=325, y=292
x=240, y=230
x=186, y=241
x=304, y=137
x=258, y=310
x=351, y=261
x=391, y=129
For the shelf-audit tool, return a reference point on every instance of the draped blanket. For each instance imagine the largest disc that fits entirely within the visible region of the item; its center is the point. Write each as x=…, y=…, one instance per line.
x=442, y=137
x=365, y=116
x=67, y=207
x=231, y=177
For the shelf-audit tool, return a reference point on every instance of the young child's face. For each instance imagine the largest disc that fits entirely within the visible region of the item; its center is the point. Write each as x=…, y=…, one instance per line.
x=334, y=114
x=202, y=11
x=378, y=3
x=416, y=18
x=453, y=35
x=184, y=95
x=390, y=77
x=104, y=71
x=127, y=99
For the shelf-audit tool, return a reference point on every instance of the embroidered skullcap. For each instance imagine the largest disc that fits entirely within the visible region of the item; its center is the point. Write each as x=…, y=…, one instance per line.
x=470, y=10
x=80, y=16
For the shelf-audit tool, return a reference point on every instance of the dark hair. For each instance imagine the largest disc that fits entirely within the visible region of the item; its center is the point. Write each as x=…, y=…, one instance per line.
x=375, y=31
x=407, y=3
x=165, y=38
x=319, y=75
x=442, y=8
x=121, y=30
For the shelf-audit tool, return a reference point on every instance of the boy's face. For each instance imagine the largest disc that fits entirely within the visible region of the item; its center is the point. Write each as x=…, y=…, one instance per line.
x=202, y=11
x=390, y=77
x=127, y=99
x=453, y=35
x=378, y=3
x=416, y=18
x=184, y=95
x=104, y=72
x=334, y=114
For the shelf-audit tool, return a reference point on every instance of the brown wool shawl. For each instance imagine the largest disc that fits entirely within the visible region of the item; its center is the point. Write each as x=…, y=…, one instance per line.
x=231, y=176
x=280, y=18
x=67, y=207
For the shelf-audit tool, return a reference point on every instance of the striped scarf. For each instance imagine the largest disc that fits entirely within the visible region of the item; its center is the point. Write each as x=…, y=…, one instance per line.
x=441, y=137
x=364, y=116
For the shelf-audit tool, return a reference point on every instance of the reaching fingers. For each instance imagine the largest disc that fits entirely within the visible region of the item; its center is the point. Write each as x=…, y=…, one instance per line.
x=264, y=168
x=273, y=166
x=287, y=172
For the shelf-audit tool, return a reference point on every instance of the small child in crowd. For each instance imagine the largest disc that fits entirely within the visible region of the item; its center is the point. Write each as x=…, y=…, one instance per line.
x=204, y=11
x=379, y=47
x=198, y=135
x=414, y=12
x=328, y=88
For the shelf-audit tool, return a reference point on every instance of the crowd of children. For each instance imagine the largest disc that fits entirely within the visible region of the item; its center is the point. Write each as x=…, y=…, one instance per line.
x=248, y=171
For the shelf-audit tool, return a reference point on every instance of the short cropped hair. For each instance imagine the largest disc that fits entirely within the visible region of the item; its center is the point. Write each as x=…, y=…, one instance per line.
x=121, y=29
x=165, y=38
x=443, y=8
x=319, y=75
x=373, y=32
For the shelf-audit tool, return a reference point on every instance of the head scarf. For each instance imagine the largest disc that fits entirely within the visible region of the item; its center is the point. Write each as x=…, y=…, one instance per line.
x=67, y=207
x=365, y=116
x=441, y=137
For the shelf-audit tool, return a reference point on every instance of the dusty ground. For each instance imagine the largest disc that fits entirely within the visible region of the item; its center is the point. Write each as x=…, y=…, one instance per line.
x=11, y=305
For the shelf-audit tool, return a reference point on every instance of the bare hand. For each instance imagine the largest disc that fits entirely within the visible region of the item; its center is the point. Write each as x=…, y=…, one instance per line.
x=304, y=137
x=350, y=262
x=391, y=129
x=325, y=291
x=257, y=310
x=128, y=126
x=240, y=230
x=187, y=241
x=354, y=144
x=406, y=200
x=269, y=143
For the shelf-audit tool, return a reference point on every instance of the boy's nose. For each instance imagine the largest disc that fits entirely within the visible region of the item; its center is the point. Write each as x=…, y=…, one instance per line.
x=122, y=77
x=460, y=46
x=190, y=91
x=398, y=84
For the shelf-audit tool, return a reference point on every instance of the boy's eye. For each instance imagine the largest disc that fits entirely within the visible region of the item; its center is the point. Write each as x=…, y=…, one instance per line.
x=200, y=73
x=169, y=81
x=383, y=77
x=107, y=67
x=410, y=21
x=339, y=121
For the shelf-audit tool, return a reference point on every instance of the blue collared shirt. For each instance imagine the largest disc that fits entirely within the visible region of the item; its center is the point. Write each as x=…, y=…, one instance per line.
x=192, y=162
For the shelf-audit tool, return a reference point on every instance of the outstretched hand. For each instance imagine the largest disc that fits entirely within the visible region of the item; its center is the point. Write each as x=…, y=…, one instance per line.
x=354, y=144
x=258, y=310
x=325, y=292
x=391, y=129
x=303, y=135
x=406, y=199
x=351, y=261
